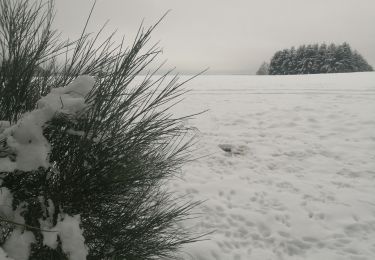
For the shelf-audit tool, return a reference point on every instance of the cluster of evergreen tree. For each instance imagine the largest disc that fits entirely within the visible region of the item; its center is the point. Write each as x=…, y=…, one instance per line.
x=313, y=59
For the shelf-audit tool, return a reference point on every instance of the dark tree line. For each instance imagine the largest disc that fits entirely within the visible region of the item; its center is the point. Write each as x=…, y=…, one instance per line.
x=313, y=59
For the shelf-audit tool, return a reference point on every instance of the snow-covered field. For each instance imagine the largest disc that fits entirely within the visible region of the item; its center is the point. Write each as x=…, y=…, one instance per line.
x=298, y=178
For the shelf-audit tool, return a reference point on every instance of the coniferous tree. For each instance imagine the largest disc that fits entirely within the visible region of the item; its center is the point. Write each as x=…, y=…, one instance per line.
x=312, y=59
x=361, y=63
x=300, y=58
x=275, y=64
x=292, y=61
x=263, y=69
x=322, y=56
x=284, y=61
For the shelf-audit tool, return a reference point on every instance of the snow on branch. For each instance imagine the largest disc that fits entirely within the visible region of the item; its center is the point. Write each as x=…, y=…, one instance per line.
x=22, y=145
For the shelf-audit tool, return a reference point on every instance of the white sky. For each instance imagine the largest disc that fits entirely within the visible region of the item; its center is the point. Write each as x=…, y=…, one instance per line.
x=229, y=36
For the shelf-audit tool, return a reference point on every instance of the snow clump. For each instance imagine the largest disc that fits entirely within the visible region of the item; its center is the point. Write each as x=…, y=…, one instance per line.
x=25, y=140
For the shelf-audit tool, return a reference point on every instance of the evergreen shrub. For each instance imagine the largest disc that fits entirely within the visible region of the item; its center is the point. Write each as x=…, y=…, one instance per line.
x=109, y=164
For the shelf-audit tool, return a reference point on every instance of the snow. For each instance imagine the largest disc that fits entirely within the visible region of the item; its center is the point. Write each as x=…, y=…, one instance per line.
x=69, y=99
x=46, y=223
x=6, y=207
x=3, y=255
x=25, y=139
x=67, y=230
x=49, y=234
x=287, y=172
x=4, y=125
x=289, y=167
x=71, y=236
x=6, y=200
x=18, y=244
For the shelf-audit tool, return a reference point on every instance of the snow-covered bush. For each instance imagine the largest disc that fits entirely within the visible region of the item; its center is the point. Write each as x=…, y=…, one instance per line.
x=83, y=159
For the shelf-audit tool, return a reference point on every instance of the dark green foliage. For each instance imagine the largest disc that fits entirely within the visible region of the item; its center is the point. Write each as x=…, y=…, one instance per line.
x=111, y=168
x=313, y=59
x=26, y=42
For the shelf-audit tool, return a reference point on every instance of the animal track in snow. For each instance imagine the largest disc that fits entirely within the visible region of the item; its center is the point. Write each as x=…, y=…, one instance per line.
x=236, y=150
x=284, y=219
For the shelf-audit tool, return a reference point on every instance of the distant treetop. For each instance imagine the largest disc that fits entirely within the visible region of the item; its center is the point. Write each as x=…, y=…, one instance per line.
x=313, y=59
x=263, y=69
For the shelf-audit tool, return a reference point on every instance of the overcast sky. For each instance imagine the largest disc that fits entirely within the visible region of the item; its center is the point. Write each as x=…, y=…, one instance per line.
x=229, y=36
